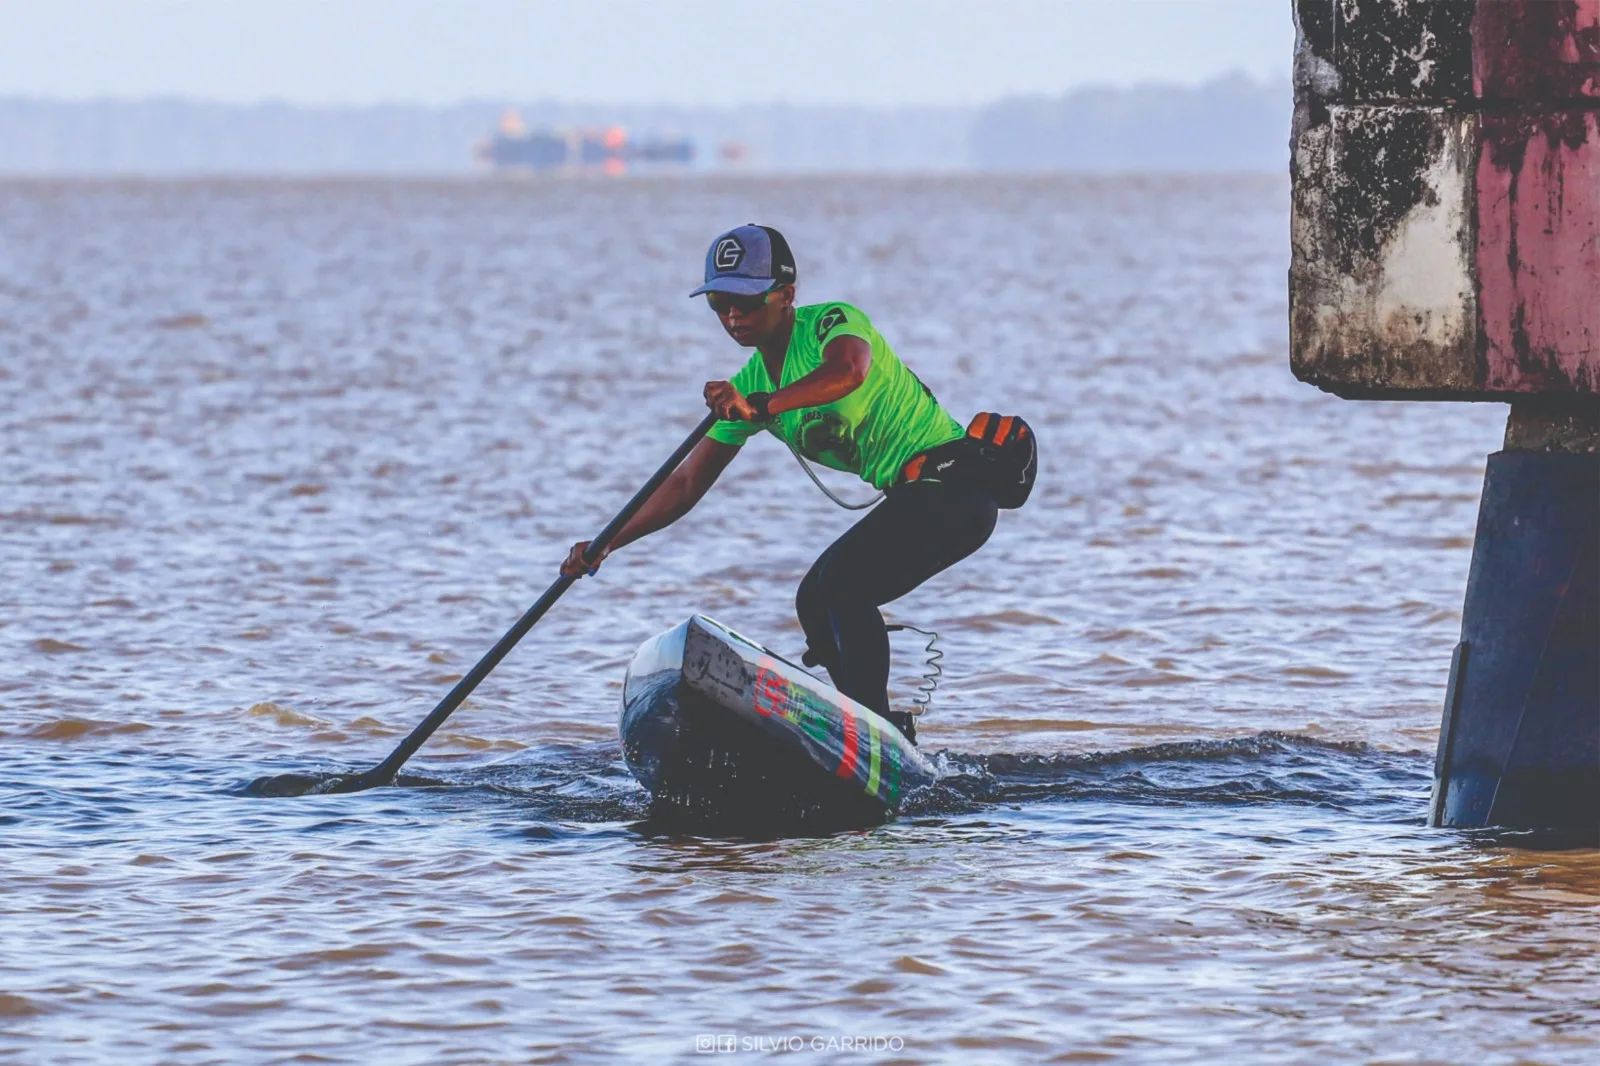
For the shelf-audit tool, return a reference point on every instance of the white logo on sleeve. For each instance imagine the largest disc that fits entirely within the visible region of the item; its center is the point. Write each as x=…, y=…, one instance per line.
x=832, y=317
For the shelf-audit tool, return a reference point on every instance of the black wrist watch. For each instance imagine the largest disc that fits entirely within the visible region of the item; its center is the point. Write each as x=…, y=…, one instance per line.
x=759, y=401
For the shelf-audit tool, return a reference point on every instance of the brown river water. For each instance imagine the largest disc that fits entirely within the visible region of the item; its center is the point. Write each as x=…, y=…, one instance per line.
x=279, y=461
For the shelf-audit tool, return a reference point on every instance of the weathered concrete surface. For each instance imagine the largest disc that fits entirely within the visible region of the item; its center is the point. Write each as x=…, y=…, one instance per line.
x=1389, y=50
x=1446, y=227
x=1381, y=295
x=1441, y=52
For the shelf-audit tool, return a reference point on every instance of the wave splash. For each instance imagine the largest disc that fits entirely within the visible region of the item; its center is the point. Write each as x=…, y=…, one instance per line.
x=1268, y=767
x=591, y=783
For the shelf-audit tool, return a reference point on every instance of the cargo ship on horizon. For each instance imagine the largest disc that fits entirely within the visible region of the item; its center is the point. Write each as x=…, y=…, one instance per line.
x=607, y=150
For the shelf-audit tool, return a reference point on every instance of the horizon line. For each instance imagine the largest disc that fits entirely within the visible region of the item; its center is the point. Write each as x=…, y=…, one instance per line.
x=1264, y=82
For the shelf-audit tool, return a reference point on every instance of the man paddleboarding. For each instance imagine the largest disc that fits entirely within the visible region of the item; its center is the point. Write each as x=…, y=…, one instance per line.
x=825, y=382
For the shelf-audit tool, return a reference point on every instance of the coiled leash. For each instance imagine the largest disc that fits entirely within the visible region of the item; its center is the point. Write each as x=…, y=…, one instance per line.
x=932, y=671
x=906, y=721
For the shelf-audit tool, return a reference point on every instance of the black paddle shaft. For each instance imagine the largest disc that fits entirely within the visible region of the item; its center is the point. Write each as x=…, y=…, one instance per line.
x=385, y=771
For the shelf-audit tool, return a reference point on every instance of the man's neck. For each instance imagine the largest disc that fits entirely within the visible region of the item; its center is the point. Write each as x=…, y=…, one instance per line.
x=775, y=348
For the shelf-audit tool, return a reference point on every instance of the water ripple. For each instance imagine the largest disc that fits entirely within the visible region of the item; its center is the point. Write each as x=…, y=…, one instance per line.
x=282, y=459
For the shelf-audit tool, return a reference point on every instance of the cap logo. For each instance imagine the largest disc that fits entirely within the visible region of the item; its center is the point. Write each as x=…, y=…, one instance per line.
x=728, y=254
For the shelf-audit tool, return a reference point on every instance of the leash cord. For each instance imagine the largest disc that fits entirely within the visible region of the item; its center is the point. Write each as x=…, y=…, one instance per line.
x=815, y=480
x=932, y=670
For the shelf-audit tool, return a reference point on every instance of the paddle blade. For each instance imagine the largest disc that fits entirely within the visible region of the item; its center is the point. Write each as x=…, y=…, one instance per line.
x=293, y=784
x=374, y=778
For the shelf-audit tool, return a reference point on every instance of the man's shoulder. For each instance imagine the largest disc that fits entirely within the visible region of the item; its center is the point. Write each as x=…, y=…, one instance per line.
x=819, y=320
x=815, y=311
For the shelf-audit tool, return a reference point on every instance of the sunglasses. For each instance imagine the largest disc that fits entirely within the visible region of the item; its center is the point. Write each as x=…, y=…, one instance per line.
x=724, y=302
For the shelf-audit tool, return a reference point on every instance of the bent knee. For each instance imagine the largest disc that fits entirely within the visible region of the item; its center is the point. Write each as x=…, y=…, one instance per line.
x=808, y=597
x=830, y=586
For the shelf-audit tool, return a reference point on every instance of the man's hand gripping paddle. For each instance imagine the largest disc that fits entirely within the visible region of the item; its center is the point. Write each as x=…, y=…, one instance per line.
x=384, y=772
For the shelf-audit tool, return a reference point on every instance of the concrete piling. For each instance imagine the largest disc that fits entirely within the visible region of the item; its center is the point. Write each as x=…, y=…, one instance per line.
x=1446, y=246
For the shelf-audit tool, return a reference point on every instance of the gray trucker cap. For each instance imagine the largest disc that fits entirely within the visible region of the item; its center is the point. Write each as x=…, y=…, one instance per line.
x=748, y=260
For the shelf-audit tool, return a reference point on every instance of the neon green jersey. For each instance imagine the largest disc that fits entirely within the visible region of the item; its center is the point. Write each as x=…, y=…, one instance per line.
x=874, y=430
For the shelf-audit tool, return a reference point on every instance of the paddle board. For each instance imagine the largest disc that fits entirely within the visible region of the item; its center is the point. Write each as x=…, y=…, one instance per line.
x=720, y=729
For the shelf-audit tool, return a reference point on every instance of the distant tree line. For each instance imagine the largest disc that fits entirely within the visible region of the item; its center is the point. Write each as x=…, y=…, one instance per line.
x=1232, y=123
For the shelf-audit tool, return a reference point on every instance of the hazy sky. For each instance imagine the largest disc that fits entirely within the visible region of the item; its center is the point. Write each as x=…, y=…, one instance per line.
x=879, y=52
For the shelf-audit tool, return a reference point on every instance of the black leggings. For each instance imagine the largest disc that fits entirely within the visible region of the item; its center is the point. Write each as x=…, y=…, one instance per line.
x=918, y=530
